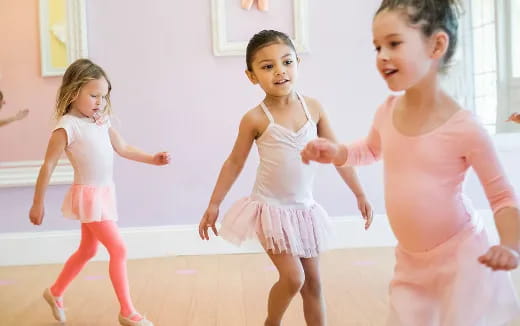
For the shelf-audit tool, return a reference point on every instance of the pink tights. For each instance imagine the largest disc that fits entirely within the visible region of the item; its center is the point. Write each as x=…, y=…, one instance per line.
x=107, y=233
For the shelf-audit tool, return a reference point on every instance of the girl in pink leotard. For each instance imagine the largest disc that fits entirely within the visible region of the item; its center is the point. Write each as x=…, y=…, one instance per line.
x=446, y=273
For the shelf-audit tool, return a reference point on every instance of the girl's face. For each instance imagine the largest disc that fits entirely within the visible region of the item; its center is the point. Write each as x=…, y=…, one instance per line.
x=403, y=52
x=275, y=69
x=91, y=98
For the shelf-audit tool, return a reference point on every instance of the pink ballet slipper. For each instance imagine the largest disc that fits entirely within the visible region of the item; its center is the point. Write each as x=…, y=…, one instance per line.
x=262, y=5
x=247, y=4
x=57, y=311
x=127, y=321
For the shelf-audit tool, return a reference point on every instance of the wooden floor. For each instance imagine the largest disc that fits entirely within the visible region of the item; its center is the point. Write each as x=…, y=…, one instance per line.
x=224, y=290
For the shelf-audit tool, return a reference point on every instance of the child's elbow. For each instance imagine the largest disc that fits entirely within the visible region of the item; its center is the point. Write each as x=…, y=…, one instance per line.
x=234, y=163
x=122, y=151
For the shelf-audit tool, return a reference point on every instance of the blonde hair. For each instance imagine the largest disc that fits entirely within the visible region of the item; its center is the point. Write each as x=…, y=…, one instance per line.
x=76, y=76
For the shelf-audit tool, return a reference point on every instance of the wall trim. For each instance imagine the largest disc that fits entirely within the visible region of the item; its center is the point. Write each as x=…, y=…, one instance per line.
x=25, y=173
x=147, y=242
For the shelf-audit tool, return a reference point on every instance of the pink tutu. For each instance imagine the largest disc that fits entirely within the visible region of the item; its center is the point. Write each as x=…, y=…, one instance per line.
x=89, y=203
x=301, y=232
x=447, y=286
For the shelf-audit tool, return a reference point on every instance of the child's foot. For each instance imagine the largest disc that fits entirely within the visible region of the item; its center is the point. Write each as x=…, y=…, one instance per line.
x=56, y=304
x=134, y=319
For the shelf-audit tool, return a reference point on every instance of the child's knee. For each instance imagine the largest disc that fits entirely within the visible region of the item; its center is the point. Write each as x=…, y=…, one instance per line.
x=91, y=251
x=312, y=287
x=294, y=282
x=88, y=252
x=117, y=250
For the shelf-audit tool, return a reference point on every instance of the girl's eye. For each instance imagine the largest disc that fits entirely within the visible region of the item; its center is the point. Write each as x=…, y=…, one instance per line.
x=377, y=48
x=266, y=67
x=288, y=62
x=394, y=44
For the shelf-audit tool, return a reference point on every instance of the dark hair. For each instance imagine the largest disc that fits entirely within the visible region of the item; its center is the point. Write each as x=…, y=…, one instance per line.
x=263, y=39
x=1, y=96
x=431, y=16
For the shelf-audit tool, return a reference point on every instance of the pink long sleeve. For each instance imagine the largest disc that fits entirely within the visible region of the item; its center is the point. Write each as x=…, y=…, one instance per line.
x=423, y=175
x=483, y=159
x=368, y=150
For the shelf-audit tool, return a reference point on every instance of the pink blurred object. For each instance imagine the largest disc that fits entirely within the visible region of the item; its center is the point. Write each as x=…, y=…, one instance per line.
x=99, y=118
x=270, y=268
x=6, y=282
x=94, y=277
x=186, y=271
x=262, y=5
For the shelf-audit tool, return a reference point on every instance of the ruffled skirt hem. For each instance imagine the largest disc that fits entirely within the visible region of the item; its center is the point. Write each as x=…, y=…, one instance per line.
x=302, y=232
x=89, y=203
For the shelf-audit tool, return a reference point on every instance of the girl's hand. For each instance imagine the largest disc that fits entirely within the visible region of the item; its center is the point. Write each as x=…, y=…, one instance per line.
x=515, y=117
x=320, y=150
x=21, y=114
x=500, y=257
x=366, y=210
x=208, y=221
x=36, y=214
x=161, y=158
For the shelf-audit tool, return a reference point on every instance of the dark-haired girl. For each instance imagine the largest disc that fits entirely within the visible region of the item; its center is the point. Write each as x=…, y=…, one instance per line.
x=281, y=210
x=446, y=272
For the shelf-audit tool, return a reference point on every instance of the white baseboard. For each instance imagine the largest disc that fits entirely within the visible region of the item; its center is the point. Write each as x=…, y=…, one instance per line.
x=146, y=242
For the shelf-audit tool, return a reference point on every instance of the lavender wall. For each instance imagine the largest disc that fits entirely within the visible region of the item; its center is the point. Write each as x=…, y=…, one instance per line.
x=171, y=93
